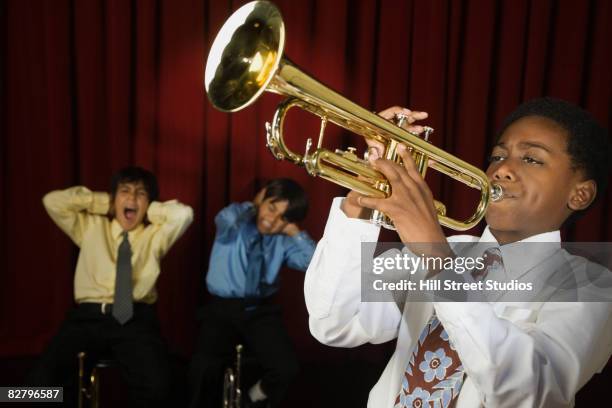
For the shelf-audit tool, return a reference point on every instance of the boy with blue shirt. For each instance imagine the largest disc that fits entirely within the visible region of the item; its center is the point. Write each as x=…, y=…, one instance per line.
x=253, y=241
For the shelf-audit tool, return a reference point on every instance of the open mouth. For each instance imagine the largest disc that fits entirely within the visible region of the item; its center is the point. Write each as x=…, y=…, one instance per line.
x=130, y=213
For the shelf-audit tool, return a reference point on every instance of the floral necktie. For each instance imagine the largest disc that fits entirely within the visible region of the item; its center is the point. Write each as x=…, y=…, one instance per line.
x=434, y=375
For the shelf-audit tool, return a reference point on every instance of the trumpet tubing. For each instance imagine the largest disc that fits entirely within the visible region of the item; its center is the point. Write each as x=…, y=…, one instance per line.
x=246, y=59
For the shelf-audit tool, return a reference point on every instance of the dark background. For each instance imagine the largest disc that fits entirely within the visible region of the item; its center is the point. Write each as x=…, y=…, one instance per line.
x=90, y=86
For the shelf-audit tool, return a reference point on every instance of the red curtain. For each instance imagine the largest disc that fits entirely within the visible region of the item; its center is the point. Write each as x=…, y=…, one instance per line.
x=90, y=86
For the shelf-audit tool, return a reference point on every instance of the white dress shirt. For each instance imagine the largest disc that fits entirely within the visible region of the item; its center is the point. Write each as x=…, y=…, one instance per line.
x=515, y=354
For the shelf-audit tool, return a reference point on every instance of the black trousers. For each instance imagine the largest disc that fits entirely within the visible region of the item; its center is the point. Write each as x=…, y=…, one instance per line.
x=227, y=322
x=137, y=346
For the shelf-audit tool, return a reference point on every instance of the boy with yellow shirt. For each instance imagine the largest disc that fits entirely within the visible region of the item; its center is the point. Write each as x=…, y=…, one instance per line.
x=122, y=237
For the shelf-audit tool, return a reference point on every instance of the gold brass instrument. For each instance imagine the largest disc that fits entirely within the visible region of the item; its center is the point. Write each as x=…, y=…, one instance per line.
x=232, y=393
x=89, y=383
x=246, y=59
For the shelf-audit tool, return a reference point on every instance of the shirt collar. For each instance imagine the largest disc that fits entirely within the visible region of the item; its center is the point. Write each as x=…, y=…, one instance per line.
x=117, y=230
x=552, y=236
x=521, y=256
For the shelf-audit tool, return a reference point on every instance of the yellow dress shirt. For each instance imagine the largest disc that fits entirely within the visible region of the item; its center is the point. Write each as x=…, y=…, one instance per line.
x=82, y=214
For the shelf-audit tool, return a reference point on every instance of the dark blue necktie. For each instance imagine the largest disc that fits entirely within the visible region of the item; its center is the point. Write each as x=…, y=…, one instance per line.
x=255, y=265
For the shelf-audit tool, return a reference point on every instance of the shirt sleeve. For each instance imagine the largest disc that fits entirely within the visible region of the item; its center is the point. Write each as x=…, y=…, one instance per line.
x=72, y=209
x=172, y=219
x=332, y=287
x=542, y=363
x=228, y=220
x=299, y=250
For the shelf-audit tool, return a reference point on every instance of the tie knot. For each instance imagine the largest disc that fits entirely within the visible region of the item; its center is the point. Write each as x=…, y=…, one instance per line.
x=257, y=241
x=492, y=258
x=125, y=242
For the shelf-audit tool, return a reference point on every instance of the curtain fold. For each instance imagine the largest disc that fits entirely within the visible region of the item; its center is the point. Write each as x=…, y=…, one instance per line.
x=91, y=86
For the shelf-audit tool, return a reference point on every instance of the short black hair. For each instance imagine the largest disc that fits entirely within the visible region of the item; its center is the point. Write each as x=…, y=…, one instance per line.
x=588, y=143
x=134, y=174
x=286, y=189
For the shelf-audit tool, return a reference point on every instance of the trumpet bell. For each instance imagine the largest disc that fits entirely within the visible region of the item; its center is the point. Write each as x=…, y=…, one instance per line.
x=247, y=59
x=245, y=56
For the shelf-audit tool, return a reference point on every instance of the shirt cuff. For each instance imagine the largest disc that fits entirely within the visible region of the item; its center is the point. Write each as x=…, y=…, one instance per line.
x=157, y=211
x=100, y=203
x=302, y=236
x=344, y=229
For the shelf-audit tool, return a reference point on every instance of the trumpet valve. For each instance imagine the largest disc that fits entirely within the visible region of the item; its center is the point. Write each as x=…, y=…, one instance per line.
x=400, y=119
x=349, y=154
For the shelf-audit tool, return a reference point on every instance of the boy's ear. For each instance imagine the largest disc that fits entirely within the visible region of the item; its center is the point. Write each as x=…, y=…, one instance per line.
x=583, y=195
x=259, y=197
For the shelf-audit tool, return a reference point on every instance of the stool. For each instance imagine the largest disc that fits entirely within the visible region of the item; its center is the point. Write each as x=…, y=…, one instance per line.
x=89, y=382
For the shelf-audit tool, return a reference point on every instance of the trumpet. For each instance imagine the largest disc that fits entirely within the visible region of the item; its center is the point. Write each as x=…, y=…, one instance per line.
x=246, y=59
x=232, y=391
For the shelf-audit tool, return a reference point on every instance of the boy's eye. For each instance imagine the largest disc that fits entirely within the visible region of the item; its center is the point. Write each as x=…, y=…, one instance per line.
x=495, y=158
x=531, y=160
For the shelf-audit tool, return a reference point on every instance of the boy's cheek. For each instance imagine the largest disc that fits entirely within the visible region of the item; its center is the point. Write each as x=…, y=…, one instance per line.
x=497, y=218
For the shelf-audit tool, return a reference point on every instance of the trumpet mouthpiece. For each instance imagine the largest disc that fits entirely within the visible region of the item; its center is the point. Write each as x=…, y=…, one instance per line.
x=497, y=193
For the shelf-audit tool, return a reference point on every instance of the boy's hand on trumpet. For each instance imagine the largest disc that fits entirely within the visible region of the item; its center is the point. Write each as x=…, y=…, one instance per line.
x=411, y=205
x=376, y=149
x=350, y=204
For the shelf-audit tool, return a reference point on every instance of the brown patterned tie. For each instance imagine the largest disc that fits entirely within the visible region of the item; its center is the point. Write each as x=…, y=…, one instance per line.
x=434, y=375
x=492, y=259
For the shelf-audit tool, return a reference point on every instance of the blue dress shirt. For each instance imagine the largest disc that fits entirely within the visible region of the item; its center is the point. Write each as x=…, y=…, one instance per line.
x=236, y=233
